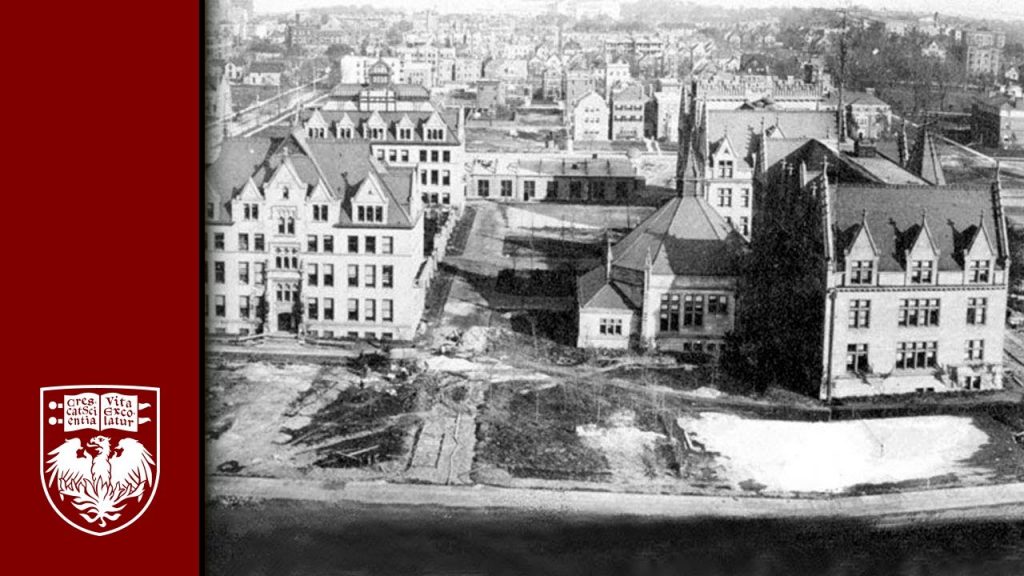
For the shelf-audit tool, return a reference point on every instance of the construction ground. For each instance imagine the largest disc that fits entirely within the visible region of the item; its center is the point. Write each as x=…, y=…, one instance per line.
x=494, y=393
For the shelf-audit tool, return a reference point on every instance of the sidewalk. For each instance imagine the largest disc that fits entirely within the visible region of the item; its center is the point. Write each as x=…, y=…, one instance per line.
x=1004, y=501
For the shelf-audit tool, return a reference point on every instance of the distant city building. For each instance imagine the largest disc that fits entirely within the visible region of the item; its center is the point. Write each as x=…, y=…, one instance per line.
x=998, y=121
x=627, y=112
x=867, y=116
x=576, y=84
x=404, y=128
x=265, y=74
x=540, y=178
x=590, y=118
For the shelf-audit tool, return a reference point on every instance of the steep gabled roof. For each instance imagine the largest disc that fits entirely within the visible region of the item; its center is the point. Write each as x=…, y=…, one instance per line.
x=686, y=236
x=593, y=290
x=898, y=216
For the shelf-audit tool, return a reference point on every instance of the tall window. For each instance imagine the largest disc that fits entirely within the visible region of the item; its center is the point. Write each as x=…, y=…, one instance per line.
x=243, y=306
x=258, y=244
x=243, y=242
x=979, y=272
x=860, y=313
x=693, y=310
x=353, y=244
x=725, y=197
x=718, y=304
x=745, y=198
x=328, y=308
x=916, y=355
x=311, y=309
x=328, y=274
x=921, y=271
x=353, y=309
x=312, y=277
x=725, y=169
x=977, y=311
x=353, y=275
x=320, y=212
x=218, y=272
x=483, y=188
x=329, y=244
x=387, y=310
x=387, y=276
x=862, y=272
x=975, y=351
x=261, y=273
x=311, y=243
x=369, y=214
x=387, y=245
x=251, y=211
x=857, y=358
x=243, y=272
x=369, y=310
x=218, y=241
x=919, y=312
x=610, y=326
x=506, y=188
x=370, y=243
x=369, y=275
x=744, y=225
x=669, y=313
x=220, y=308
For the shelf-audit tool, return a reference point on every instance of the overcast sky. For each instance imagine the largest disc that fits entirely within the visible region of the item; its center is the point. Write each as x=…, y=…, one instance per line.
x=977, y=8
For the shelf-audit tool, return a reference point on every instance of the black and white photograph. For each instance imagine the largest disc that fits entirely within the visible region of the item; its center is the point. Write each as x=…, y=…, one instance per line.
x=613, y=287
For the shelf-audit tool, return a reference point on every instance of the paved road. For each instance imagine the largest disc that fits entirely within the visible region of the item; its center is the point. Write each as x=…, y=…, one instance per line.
x=1004, y=501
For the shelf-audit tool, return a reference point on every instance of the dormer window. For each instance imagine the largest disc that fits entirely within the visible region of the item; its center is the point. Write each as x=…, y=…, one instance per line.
x=369, y=214
x=345, y=132
x=284, y=193
x=862, y=272
x=725, y=169
x=979, y=271
x=405, y=133
x=376, y=133
x=922, y=271
x=435, y=134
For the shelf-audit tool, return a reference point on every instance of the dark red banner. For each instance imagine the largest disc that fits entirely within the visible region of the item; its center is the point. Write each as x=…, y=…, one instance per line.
x=101, y=287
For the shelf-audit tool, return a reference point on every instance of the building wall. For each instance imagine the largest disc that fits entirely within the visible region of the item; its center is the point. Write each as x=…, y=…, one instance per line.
x=590, y=120
x=628, y=120
x=590, y=328
x=406, y=259
x=883, y=336
x=431, y=164
x=714, y=327
x=550, y=187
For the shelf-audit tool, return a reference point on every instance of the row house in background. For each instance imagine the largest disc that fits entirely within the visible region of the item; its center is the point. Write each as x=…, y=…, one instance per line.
x=590, y=118
x=627, y=109
x=404, y=129
x=540, y=178
x=575, y=85
x=313, y=236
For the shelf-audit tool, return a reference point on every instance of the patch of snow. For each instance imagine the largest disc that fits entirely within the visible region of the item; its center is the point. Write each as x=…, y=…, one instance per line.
x=455, y=365
x=705, y=392
x=790, y=456
x=622, y=443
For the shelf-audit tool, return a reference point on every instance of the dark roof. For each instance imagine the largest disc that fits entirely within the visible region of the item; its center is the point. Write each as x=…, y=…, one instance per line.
x=332, y=117
x=267, y=67
x=685, y=237
x=742, y=125
x=894, y=217
x=594, y=291
x=340, y=165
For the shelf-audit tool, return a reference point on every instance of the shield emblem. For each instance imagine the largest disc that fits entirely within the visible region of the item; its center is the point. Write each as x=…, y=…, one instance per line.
x=99, y=453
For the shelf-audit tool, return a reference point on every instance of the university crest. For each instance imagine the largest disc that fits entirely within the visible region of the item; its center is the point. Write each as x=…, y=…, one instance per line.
x=99, y=453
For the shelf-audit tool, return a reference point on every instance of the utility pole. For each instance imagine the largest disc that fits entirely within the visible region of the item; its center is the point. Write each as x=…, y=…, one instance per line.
x=842, y=80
